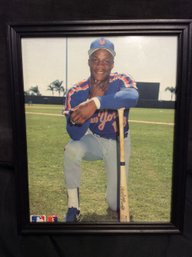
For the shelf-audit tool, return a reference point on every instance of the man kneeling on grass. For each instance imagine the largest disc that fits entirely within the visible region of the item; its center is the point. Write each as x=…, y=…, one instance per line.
x=92, y=123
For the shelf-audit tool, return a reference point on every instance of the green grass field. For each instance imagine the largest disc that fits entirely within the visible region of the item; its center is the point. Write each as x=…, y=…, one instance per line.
x=150, y=173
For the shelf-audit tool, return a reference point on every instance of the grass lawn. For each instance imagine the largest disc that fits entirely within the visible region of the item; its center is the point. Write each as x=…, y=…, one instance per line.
x=150, y=170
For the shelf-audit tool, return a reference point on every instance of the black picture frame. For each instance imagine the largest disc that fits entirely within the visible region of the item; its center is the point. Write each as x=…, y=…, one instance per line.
x=180, y=28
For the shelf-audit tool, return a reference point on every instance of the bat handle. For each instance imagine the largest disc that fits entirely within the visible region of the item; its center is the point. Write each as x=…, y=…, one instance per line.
x=121, y=134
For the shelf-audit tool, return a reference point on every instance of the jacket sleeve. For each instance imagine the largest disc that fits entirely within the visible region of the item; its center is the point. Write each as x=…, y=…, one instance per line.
x=127, y=96
x=74, y=131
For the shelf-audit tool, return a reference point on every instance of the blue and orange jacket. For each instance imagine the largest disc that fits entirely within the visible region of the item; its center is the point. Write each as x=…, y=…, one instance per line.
x=122, y=92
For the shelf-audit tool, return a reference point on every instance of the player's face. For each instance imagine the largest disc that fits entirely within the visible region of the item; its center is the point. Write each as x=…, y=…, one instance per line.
x=101, y=63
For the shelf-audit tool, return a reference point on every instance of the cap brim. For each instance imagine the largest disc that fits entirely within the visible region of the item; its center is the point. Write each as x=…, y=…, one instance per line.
x=91, y=51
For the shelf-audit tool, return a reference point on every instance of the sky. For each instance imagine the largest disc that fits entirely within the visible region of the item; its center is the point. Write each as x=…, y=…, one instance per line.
x=145, y=58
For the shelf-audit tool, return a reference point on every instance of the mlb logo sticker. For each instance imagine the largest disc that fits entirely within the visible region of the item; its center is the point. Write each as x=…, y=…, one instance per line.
x=37, y=218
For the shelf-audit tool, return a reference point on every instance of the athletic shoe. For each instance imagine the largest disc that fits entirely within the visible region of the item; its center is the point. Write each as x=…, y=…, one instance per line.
x=73, y=215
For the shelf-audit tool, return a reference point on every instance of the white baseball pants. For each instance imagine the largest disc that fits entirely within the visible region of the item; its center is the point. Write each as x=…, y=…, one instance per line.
x=92, y=147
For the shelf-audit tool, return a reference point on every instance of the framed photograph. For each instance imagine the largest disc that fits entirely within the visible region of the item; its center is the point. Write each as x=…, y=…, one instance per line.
x=46, y=62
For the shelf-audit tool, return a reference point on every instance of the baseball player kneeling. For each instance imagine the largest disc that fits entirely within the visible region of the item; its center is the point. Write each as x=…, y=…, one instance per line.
x=92, y=123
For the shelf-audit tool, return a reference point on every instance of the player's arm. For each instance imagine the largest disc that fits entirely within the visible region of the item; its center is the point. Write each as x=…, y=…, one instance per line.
x=75, y=131
x=126, y=97
x=83, y=111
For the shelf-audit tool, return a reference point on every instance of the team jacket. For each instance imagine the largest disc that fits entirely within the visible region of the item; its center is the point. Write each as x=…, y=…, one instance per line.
x=122, y=92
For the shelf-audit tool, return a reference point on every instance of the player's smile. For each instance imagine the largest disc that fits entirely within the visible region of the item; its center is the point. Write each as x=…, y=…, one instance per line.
x=101, y=64
x=98, y=73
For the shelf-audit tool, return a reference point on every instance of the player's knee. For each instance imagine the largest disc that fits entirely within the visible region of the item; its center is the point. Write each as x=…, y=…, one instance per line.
x=73, y=150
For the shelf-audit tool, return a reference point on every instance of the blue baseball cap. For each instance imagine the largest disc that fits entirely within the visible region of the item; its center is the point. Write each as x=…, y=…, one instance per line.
x=102, y=43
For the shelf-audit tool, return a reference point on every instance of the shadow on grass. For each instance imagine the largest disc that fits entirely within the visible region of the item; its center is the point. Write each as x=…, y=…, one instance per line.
x=105, y=218
x=98, y=218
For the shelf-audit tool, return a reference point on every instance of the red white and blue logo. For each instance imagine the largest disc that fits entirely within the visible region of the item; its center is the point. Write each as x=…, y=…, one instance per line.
x=37, y=218
x=52, y=218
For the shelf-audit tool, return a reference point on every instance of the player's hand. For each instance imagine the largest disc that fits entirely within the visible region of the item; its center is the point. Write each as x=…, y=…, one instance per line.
x=83, y=112
x=98, y=88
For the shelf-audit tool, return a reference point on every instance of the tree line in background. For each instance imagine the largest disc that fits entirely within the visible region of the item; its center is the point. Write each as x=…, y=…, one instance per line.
x=55, y=86
x=172, y=90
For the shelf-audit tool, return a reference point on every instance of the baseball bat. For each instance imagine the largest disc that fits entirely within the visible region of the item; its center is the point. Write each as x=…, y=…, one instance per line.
x=124, y=205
